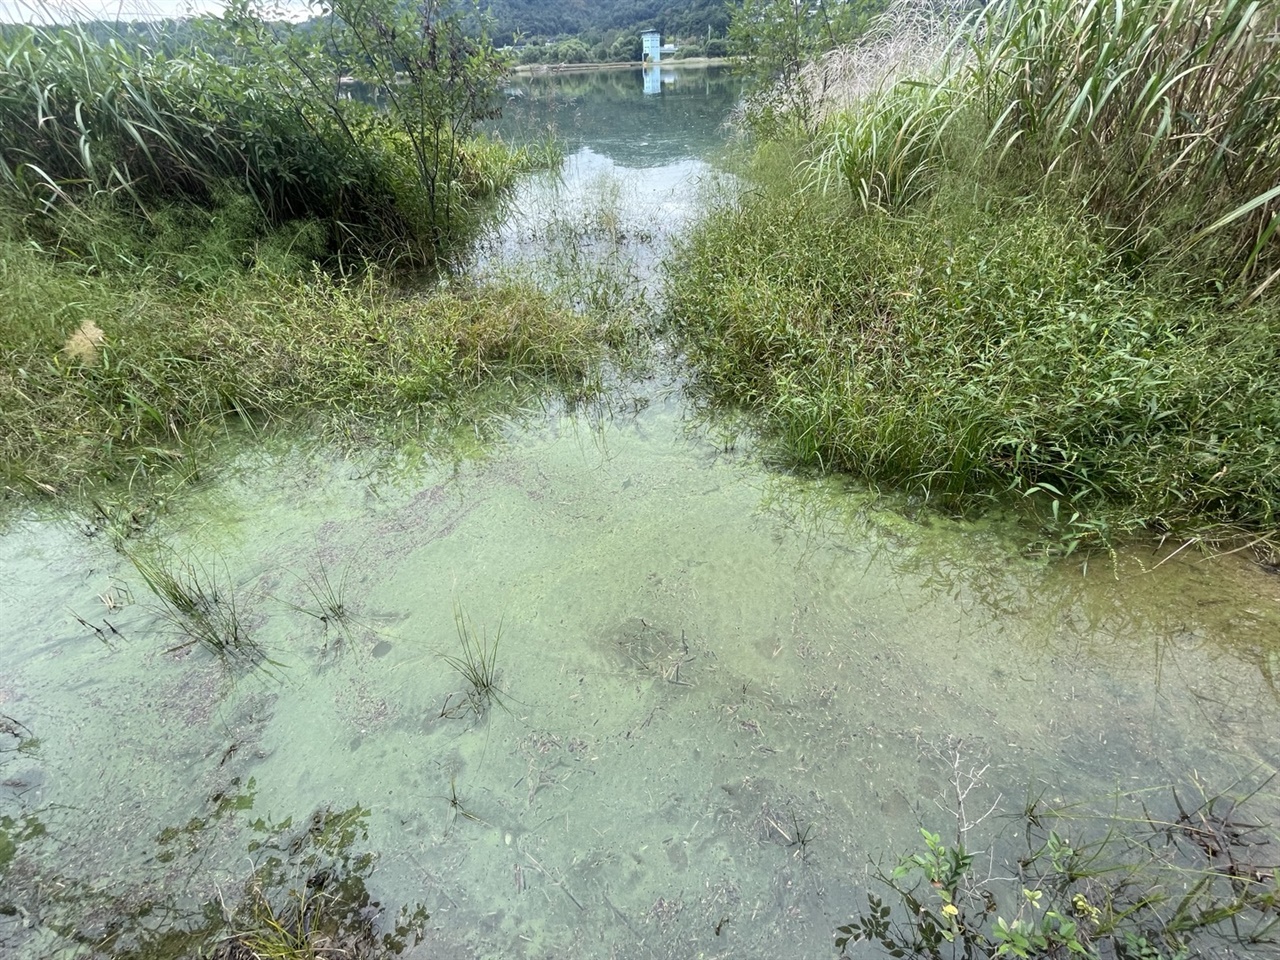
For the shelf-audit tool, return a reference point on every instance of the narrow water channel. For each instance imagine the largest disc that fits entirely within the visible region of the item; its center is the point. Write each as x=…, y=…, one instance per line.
x=722, y=689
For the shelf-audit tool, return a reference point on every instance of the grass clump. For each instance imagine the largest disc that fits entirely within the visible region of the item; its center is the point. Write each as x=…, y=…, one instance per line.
x=477, y=664
x=329, y=594
x=1007, y=277
x=206, y=611
x=183, y=336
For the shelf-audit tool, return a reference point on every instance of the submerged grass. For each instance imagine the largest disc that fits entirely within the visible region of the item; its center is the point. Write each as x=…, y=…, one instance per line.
x=205, y=609
x=329, y=595
x=477, y=664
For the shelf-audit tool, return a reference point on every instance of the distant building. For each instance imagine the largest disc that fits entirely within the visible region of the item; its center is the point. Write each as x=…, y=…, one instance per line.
x=651, y=41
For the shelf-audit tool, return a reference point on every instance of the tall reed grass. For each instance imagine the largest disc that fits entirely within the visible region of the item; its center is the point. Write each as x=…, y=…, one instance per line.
x=1161, y=118
x=261, y=108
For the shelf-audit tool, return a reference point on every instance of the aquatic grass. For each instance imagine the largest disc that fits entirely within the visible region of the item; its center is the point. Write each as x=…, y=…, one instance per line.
x=330, y=595
x=458, y=807
x=307, y=896
x=477, y=664
x=294, y=931
x=585, y=252
x=202, y=606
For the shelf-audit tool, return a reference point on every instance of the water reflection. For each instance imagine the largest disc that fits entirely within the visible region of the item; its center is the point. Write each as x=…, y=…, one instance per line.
x=635, y=117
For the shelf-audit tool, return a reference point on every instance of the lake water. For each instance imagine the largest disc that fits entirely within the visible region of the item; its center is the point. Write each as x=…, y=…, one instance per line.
x=723, y=690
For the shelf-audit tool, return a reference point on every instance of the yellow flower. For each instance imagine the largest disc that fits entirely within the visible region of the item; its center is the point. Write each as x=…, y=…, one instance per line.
x=951, y=910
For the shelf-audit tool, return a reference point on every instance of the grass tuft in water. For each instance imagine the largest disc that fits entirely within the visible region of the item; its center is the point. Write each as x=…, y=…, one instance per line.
x=330, y=595
x=307, y=898
x=193, y=599
x=477, y=664
x=293, y=931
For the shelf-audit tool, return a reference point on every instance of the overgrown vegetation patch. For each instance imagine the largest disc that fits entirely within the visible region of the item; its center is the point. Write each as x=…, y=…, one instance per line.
x=981, y=286
x=1009, y=354
x=103, y=373
x=204, y=221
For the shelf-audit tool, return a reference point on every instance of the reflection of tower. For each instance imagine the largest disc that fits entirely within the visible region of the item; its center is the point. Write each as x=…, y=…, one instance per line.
x=651, y=42
x=652, y=80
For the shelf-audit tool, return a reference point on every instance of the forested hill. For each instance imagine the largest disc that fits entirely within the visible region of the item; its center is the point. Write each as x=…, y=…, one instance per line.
x=528, y=19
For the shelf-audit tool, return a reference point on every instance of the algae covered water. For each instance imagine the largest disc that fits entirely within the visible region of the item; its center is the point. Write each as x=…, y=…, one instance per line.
x=720, y=690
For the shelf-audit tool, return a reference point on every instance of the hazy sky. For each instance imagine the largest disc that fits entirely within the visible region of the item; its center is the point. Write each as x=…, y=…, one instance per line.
x=65, y=11
x=62, y=12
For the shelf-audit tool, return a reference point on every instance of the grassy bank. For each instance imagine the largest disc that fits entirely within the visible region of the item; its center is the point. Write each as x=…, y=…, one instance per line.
x=982, y=293
x=199, y=224
x=107, y=371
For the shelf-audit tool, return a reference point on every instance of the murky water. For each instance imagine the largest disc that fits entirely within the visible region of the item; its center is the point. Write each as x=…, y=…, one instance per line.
x=721, y=689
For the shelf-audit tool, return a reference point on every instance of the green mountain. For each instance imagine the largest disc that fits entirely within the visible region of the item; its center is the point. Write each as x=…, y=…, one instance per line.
x=596, y=20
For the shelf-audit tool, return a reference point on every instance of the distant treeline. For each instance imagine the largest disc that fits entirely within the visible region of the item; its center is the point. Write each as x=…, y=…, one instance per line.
x=597, y=22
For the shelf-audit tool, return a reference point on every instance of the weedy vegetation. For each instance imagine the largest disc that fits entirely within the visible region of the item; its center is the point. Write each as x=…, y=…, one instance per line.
x=257, y=105
x=307, y=898
x=1127, y=884
x=201, y=605
x=1038, y=268
x=200, y=225
x=477, y=665
x=277, y=341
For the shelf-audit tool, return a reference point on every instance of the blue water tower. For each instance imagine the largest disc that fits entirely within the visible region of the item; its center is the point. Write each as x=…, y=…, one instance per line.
x=651, y=41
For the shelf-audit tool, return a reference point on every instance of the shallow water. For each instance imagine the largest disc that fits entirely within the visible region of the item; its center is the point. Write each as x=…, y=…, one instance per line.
x=702, y=662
